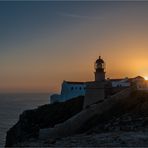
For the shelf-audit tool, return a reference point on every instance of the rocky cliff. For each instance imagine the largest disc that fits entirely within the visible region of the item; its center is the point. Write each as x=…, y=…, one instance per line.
x=124, y=123
x=45, y=116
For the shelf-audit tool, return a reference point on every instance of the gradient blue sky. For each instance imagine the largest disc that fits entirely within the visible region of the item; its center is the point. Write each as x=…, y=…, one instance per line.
x=44, y=43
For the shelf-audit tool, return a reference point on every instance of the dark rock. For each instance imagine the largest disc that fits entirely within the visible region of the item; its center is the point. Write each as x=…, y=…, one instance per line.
x=52, y=141
x=45, y=116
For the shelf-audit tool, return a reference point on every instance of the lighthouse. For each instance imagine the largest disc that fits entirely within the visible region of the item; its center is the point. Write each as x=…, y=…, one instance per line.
x=99, y=69
x=95, y=90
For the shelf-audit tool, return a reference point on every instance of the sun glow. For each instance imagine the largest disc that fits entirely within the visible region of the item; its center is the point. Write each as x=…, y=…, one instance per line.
x=146, y=78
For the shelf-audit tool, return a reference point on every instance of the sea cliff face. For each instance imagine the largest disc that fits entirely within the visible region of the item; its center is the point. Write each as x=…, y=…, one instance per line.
x=30, y=121
x=125, y=123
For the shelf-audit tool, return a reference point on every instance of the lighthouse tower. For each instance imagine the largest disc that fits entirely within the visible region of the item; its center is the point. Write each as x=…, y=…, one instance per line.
x=99, y=69
x=95, y=90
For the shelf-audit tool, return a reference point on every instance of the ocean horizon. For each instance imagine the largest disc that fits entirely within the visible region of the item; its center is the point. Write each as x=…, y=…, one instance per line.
x=13, y=104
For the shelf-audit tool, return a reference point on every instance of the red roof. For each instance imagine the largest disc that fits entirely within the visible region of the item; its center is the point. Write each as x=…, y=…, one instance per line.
x=75, y=82
x=130, y=79
x=138, y=77
x=116, y=79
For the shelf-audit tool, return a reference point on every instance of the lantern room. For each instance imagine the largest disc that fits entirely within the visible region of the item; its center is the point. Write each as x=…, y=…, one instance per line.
x=99, y=69
x=99, y=64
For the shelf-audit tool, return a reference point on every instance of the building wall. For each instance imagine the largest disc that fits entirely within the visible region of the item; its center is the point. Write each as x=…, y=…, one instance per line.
x=71, y=90
x=95, y=92
x=68, y=91
x=121, y=83
x=141, y=83
x=55, y=98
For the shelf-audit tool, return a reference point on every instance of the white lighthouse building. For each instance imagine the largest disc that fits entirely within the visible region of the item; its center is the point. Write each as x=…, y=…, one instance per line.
x=69, y=90
x=98, y=89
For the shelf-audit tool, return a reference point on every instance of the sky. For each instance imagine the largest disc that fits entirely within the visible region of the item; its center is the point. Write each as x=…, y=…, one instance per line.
x=44, y=43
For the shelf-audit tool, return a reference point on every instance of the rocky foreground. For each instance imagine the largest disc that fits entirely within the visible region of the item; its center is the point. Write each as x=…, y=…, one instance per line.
x=125, y=131
x=125, y=124
x=110, y=139
x=31, y=121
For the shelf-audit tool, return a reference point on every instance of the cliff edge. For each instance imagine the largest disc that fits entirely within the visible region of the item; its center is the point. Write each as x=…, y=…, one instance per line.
x=30, y=121
x=122, y=122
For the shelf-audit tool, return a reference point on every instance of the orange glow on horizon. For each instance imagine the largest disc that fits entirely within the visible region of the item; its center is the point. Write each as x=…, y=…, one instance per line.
x=146, y=78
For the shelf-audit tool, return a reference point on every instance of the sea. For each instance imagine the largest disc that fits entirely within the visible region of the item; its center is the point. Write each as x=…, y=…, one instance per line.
x=12, y=105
